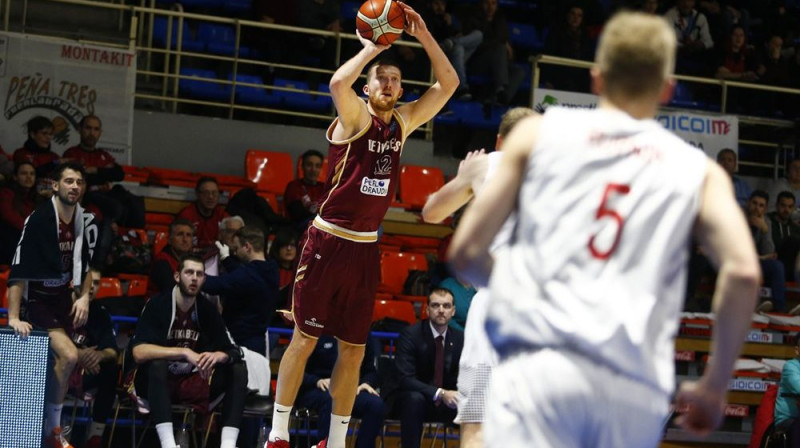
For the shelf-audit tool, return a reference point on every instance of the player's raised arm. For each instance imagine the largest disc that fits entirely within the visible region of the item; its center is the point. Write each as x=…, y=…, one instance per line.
x=454, y=194
x=431, y=102
x=724, y=234
x=352, y=111
x=469, y=250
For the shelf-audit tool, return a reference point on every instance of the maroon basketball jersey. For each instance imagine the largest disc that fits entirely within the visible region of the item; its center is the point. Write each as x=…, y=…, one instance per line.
x=183, y=333
x=57, y=288
x=363, y=181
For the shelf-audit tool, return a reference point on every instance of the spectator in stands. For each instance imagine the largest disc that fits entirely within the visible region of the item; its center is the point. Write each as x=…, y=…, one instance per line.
x=790, y=183
x=693, y=34
x=723, y=16
x=184, y=355
x=165, y=263
x=317, y=50
x=727, y=160
x=786, y=402
x=462, y=298
x=571, y=40
x=6, y=167
x=96, y=368
x=736, y=61
x=284, y=252
x=228, y=228
x=494, y=56
x=17, y=201
x=458, y=47
x=426, y=369
x=315, y=394
x=36, y=150
x=773, y=69
x=205, y=214
x=785, y=232
x=116, y=204
x=249, y=291
x=256, y=211
x=771, y=268
x=303, y=196
x=649, y=6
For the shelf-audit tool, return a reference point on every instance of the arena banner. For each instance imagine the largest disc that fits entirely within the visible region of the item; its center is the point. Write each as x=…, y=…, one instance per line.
x=709, y=132
x=64, y=80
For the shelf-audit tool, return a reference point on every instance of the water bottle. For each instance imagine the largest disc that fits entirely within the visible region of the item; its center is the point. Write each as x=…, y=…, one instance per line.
x=182, y=438
x=263, y=435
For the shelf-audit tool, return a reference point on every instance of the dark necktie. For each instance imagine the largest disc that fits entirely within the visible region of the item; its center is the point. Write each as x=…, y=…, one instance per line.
x=438, y=372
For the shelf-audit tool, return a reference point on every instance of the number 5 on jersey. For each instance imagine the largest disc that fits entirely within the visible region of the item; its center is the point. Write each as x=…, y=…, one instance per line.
x=604, y=212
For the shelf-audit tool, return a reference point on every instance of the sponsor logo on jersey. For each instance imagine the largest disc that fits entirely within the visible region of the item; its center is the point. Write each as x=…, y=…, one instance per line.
x=313, y=323
x=382, y=147
x=375, y=187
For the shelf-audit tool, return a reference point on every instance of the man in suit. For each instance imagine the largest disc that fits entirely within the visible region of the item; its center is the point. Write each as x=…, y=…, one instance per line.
x=424, y=389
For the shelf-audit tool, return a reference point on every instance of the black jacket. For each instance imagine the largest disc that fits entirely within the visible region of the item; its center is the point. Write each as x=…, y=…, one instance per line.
x=156, y=320
x=414, y=362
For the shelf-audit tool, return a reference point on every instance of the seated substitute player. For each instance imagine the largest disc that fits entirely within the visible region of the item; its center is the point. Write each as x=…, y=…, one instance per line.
x=96, y=368
x=51, y=268
x=586, y=298
x=183, y=354
x=334, y=289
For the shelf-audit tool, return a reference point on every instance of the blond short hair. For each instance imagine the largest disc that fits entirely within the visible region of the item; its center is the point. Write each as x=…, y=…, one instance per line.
x=511, y=117
x=636, y=54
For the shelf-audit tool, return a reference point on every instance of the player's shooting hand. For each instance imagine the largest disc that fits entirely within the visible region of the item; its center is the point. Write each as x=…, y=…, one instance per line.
x=80, y=311
x=324, y=384
x=224, y=250
x=450, y=398
x=21, y=328
x=365, y=387
x=89, y=358
x=706, y=408
x=370, y=44
x=414, y=23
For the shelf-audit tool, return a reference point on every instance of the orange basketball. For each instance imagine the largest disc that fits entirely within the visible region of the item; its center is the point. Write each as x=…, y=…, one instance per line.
x=381, y=21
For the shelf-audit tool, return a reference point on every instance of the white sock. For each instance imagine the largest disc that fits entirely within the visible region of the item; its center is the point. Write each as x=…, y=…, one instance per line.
x=280, y=423
x=165, y=435
x=229, y=436
x=337, y=436
x=96, y=429
x=53, y=412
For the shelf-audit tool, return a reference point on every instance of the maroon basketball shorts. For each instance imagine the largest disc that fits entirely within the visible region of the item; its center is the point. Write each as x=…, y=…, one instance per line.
x=51, y=313
x=335, y=284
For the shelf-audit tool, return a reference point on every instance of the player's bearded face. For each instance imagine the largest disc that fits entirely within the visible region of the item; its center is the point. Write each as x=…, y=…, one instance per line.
x=384, y=88
x=191, y=279
x=69, y=188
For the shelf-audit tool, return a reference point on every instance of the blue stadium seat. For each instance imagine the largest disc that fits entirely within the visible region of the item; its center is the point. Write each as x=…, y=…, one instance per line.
x=523, y=35
x=196, y=87
x=682, y=97
x=220, y=39
x=204, y=4
x=326, y=99
x=160, y=35
x=298, y=100
x=254, y=96
x=349, y=10
x=458, y=112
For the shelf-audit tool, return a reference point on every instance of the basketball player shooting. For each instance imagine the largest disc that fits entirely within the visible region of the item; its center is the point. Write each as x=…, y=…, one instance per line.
x=585, y=301
x=337, y=276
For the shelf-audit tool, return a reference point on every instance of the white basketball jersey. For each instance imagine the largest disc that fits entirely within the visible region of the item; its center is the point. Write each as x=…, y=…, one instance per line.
x=597, y=260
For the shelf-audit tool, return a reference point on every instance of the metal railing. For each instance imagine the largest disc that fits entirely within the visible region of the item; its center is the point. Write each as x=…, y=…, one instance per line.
x=724, y=86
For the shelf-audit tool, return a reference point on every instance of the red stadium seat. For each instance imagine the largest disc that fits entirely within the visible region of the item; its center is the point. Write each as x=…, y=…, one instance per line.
x=269, y=170
x=158, y=222
x=417, y=183
x=135, y=174
x=322, y=174
x=403, y=311
x=137, y=284
x=108, y=287
x=395, y=267
x=159, y=241
x=175, y=178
